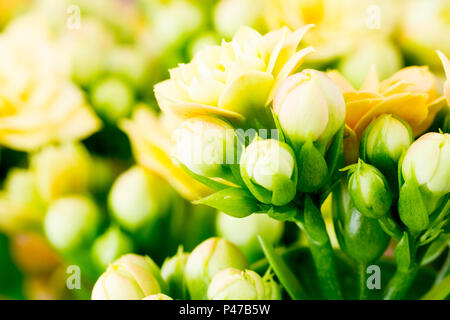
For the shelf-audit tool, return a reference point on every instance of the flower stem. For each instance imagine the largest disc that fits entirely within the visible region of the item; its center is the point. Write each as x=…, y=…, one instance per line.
x=313, y=225
x=400, y=283
x=363, y=290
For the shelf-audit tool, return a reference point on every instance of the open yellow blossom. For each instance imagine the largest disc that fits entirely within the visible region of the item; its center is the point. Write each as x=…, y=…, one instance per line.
x=409, y=94
x=235, y=80
x=446, y=64
x=38, y=104
x=152, y=147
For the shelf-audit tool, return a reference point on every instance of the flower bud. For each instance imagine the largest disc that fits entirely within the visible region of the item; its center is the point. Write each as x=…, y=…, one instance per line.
x=269, y=170
x=138, y=198
x=205, y=146
x=360, y=237
x=243, y=232
x=208, y=258
x=110, y=246
x=128, y=278
x=369, y=190
x=309, y=106
x=427, y=159
x=61, y=170
x=71, y=222
x=112, y=98
x=158, y=296
x=234, y=284
x=172, y=272
x=384, y=142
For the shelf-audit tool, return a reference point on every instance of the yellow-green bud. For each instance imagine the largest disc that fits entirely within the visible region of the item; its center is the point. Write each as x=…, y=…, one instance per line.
x=309, y=106
x=234, y=284
x=110, y=246
x=243, y=232
x=71, y=222
x=205, y=145
x=428, y=159
x=369, y=190
x=138, y=198
x=269, y=170
x=112, y=98
x=128, y=278
x=208, y=258
x=172, y=272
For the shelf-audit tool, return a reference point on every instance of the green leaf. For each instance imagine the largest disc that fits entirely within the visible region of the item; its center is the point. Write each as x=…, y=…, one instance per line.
x=411, y=207
x=281, y=136
x=335, y=154
x=436, y=248
x=403, y=253
x=440, y=291
x=312, y=168
x=235, y=202
x=205, y=180
x=314, y=223
x=284, y=274
x=283, y=213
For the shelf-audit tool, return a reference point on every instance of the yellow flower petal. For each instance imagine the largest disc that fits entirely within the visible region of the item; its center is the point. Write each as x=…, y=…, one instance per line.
x=446, y=64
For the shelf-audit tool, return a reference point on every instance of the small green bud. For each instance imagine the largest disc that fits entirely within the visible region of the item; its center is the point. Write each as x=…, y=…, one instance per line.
x=384, y=142
x=208, y=258
x=369, y=190
x=234, y=284
x=361, y=238
x=138, y=198
x=243, y=232
x=130, y=277
x=71, y=222
x=110, y=246
x=172, y=272
x=269, y=170
x=112, y=98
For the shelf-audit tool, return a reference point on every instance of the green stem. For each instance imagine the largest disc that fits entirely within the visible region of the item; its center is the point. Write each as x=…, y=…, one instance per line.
x=444, y=270
x=400, y=283
x=363, y=290
x=313, y=225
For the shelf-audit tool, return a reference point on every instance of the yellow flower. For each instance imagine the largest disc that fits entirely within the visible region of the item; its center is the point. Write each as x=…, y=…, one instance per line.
x=340, y=25
x=409, y=94
x=152, y=147
x=38, y=104
x=446, y=64
x=236, y=79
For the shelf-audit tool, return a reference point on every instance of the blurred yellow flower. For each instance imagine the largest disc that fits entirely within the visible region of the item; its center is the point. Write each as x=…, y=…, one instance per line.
x=410, y=94
x=446, y=65
x=61, y=170
x=152, y=147
x=339, y=24
x=235, y=80
x=38, y=104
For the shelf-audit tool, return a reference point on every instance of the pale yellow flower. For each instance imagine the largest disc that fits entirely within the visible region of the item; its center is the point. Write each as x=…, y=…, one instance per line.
x=152, y=147
x=446, y=64
x=38, y=104
x=235, y=80
x=340, y=25
x=410, y=94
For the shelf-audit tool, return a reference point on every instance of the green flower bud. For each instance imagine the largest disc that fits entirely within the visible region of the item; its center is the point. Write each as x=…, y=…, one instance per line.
x=129, y=63
x=110, y=246
x=158, y=296
x=128, y=278
x=112, y=98
x=428, y=161
x=360, y=237
x=205, y=146
x=269, y=170
x=369, y=190
x=138, y=198
x=384, y=142
x=243, y=232
x=208, y=258
x=309, y=106
x=234, y=284
x=382, y=54
x=71, y=222
x=172, y=272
